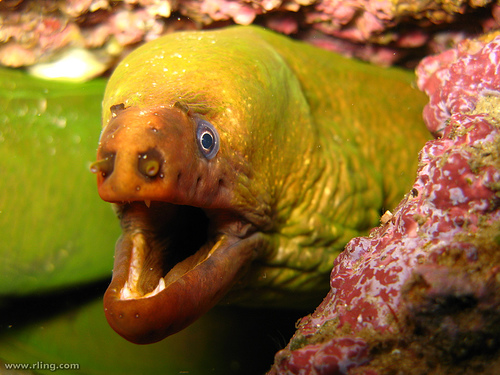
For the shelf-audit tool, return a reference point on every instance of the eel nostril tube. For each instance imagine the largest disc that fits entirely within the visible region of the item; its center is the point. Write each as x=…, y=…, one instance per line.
x=104, y=166
x=149, y=163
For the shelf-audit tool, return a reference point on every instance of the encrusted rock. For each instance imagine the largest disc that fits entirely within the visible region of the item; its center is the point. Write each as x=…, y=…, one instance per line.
x=420, y=294
x=383, y=32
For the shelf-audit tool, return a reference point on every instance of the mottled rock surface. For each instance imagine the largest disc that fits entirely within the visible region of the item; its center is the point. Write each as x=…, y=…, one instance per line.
x=421, y=293
x=384, y=32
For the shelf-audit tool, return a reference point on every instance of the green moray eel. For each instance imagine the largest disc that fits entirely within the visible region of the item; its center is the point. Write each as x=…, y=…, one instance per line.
x=56, y=237
x=240, y=162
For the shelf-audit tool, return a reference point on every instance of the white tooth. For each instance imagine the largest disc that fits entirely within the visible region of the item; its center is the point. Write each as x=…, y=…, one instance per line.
x=159, y=287
x=147, y=203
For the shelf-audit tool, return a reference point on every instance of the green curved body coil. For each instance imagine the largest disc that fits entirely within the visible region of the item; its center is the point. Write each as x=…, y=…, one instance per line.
x=51, y=225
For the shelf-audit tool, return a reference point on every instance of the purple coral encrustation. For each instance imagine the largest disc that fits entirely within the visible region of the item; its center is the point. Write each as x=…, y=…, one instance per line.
x=420, y=294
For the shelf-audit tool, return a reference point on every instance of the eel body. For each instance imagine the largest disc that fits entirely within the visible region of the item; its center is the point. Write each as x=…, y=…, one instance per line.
x=50, y=224
x=240, y=162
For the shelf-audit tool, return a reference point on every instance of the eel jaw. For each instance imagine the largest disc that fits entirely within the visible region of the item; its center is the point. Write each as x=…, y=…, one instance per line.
x=183, y=244
x=149, y=300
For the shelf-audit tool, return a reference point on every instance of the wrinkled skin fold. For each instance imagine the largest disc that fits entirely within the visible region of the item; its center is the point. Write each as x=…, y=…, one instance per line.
x=237, y=174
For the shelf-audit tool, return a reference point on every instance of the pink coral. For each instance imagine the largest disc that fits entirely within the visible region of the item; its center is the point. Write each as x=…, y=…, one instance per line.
x=457, y=79
x=384, y=32
x=420, y=294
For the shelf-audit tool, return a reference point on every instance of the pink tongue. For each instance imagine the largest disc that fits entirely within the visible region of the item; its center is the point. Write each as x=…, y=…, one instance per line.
x=151, y=319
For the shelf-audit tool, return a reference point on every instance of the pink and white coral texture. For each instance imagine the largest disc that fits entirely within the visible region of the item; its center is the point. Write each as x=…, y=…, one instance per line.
x=384, y=32
x=420, y=294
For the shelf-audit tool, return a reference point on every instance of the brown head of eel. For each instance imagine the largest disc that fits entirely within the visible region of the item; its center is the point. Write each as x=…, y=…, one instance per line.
x=234, y=175
x=182, y=247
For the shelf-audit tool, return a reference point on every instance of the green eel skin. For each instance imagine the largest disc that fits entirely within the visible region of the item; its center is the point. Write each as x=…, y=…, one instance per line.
x=50, y=221
x=240, y=162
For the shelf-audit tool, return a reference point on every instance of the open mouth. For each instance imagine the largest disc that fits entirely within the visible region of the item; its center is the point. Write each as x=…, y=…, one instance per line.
x=166, y=241
x=172, y=264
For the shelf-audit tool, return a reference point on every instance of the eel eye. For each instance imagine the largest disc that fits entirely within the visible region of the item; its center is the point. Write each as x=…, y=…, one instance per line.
x=208, y=139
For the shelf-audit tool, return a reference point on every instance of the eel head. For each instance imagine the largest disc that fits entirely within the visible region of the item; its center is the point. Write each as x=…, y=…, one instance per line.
x=183, y=244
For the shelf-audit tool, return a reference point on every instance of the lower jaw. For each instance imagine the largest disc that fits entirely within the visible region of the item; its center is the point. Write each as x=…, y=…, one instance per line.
x=150, y=319
x=144, y=310
x=132, y=288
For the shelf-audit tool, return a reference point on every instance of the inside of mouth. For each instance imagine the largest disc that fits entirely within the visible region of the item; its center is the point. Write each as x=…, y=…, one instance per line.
x=167, y=241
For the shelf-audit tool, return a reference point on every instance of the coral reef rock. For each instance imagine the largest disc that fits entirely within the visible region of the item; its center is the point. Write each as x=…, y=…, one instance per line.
x=421, y=293
x=383, y=32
